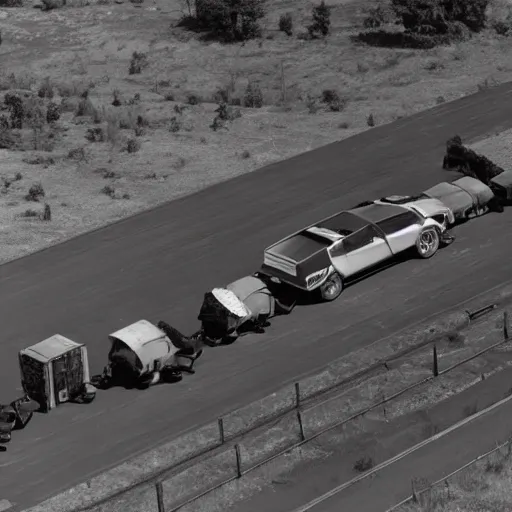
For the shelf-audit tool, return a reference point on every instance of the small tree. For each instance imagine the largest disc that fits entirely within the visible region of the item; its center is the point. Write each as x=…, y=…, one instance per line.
x=286, y=23
x=16, y=109
x=321, y=20
x=253, y=96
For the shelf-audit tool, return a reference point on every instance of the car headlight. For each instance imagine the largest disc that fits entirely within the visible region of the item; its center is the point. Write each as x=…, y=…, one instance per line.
x=316, y=277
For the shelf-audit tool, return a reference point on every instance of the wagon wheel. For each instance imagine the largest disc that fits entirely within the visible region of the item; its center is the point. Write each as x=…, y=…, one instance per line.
x=332, y=287
x=427, y=243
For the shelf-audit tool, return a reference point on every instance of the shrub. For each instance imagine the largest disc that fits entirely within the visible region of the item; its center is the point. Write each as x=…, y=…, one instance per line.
x=95, y=134
x=45, y=89
x=132, y=145
x=16, y=109
x=332, y=99
x=52, y=112
x=286, y=23
x=438, y=14
x=386, y=39
x=253, y=97
x=468, y=162
x=77, y=154
x=49, y=5
x=116, y=98
x=11, y=3
x=109, y=191
x=30, y=213
x=223, y=22
x=169, y=96
x=363, y=464
x=370, y=121
x=175, y=124
x=4, y=122
x=85, y=107
x=40, y=160
x=246, y=154
x=138, y=63
x=193, y=99
x=224, y=113
x=321, y=20
x=35, y=192
x=47, y=213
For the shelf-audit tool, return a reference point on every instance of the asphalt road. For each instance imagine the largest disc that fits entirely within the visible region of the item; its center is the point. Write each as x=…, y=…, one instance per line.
x=158, y=265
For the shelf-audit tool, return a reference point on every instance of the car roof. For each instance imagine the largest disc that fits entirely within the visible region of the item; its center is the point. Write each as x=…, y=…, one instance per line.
x=375, y=213
x=345, y=220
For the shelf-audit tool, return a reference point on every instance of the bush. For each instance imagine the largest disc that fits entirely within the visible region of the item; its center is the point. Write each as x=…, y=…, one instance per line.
x=85, y=108
x=229, y=24
x=11, y=3
x=4, y=122
x=175, y=124
x=193, y=99
x=77, y=154
x=370, y=121
x=132, y=145
x=468, y=162
x=95, y=134
x=49, y=5
x=332, y=99
x=35, y=192
x=438, y=14
x=138, y=63
x=386, y=39
x=286, y=23
x=109, y=191
x=52, y=112
x=116, y=98
x=224, y=113
x=47, y=213
x=253, y=97
x=363, y=464
x=321, y=20
x=46, y=89
x=16, y=109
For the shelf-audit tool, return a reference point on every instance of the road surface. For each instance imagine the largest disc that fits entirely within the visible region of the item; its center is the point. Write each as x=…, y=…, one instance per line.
x=157, y=265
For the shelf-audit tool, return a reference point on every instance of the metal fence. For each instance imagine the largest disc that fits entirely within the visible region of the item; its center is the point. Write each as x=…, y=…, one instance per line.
x=298, y=411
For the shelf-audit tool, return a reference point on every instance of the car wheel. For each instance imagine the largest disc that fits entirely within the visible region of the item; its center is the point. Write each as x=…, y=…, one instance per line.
x=427, y=243
x=332, y=287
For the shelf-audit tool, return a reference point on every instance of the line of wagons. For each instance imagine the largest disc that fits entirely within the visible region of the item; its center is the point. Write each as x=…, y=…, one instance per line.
x=324, y=256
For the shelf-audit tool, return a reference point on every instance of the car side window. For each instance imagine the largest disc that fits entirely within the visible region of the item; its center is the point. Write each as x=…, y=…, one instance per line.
x=359, y=239
x=399, y=222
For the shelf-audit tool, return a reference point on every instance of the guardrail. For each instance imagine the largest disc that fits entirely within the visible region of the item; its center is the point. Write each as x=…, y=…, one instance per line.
x=298, y=411
x=416, y=496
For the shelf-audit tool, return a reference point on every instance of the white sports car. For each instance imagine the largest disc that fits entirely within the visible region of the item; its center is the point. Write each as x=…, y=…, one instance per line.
x=327, y=254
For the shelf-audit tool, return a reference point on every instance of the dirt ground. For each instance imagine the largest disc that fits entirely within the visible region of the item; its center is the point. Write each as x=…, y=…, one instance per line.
x=85, y=45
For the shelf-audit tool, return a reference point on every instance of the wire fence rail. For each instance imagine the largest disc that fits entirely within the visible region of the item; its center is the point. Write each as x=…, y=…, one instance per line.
x=298, y=410
x=417, y=495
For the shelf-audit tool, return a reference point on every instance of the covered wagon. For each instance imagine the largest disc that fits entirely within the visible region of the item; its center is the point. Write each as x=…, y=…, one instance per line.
x=467, y=197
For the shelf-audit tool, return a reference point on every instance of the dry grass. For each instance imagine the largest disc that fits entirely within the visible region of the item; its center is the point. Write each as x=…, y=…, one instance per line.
x=484, y=485
x=175, y=90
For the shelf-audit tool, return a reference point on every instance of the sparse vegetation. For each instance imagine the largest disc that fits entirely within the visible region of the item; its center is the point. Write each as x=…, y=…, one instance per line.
x=363, y=464
x=138, y=63
x=35, y=192
x=286, y=23
x=296, y=77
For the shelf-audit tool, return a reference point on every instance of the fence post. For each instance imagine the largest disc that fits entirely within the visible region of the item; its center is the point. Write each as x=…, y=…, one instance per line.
x=505, y=325
x=435, y=368
x=301, y=426
x=414, y=493
x=238, y=461
x=221, y=430
x=297, y=395
x=160, y=496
